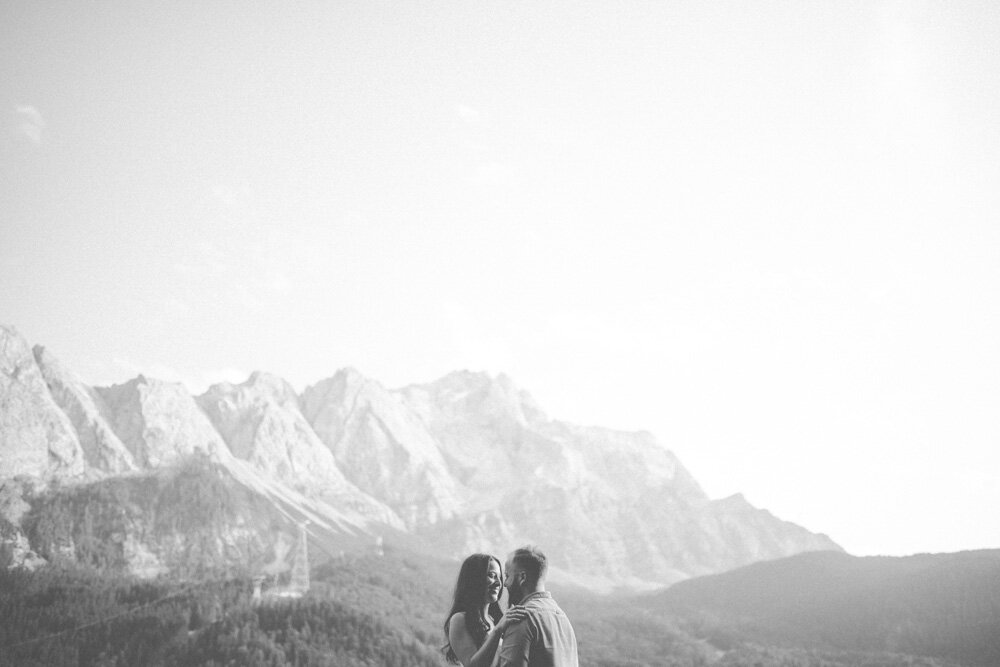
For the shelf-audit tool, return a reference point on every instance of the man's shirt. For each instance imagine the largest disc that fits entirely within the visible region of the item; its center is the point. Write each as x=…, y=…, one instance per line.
x=544, y=638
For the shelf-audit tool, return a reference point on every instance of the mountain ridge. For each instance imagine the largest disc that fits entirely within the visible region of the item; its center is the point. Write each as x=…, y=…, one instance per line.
x=464, y=463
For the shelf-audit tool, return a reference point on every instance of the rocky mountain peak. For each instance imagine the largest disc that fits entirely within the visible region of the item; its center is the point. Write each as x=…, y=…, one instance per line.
x=736, y=501
x=42, y=355
x=382, y=446
x=15, y=353
x=490, y=399
x=261, y=422
x=272, y=386
x=159, y=422
x=102, y=448
x=350, y=375
x=36, y=438
x=345, y=382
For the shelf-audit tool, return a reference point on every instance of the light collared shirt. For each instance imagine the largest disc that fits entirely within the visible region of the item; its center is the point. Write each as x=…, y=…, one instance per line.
x=544, y=638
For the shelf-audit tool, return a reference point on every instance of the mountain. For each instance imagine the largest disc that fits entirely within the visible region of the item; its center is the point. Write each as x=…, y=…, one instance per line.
x=36, y=437
x=469, y=462
x=627, y=512
x=261, y=424
x=159, y=422
x=944, y=605
x=103, y=450
x=472, y=463
x=383, y=447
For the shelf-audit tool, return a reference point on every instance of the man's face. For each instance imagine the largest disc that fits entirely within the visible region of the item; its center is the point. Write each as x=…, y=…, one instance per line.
x=513, y=580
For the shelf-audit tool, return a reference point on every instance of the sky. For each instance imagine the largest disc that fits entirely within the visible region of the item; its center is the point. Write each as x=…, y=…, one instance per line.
x=769, y=233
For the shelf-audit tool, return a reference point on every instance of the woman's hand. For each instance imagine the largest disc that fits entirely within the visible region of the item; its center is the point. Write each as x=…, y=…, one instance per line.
x=513, y=616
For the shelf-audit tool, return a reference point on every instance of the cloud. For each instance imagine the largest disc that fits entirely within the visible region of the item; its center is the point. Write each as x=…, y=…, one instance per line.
x=187, y=269
x=476, y=127
x=14, y=262
x=476, y=344
x=28, y=124
x=173, y=308
x=232, y=208
x=206, y=260
x=468, y=115
x=277, y=280
x=249, y=274
x=549, y=126
x=491, y=175
x=227, y=197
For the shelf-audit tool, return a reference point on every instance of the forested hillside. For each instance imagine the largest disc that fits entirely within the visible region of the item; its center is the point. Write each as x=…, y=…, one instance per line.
x=356, y=614
x=361, y=610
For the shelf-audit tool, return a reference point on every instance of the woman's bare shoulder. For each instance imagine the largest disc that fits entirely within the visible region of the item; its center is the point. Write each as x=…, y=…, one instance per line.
x=461, y=642
x=458, y=618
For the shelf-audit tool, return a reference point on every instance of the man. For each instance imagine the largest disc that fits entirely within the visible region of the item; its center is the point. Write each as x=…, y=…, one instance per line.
x=545, y=637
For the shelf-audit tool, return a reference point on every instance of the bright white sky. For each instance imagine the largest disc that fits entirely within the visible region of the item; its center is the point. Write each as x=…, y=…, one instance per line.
x=767, y=232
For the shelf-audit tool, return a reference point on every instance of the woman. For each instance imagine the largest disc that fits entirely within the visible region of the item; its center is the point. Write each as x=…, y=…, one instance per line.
x=475, y=625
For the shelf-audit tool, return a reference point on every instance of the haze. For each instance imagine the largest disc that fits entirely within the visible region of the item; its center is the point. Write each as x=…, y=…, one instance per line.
x=766, y=232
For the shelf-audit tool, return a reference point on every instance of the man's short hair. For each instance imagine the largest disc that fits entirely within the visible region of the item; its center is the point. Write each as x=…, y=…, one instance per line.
x=531, y=561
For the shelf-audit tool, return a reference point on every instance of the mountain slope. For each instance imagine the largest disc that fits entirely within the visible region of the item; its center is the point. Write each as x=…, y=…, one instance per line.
x=614, y=508
x=103, y=450
x=383, y=447
x=196, y=517
x=159, y=422
x=945, y=605
x=261, y=424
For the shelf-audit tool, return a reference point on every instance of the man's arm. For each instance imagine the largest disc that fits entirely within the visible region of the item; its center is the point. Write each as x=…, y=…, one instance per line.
x=516, y=647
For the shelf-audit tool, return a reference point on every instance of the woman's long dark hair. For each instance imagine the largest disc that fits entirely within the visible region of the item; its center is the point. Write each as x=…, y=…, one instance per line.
x=469, y=592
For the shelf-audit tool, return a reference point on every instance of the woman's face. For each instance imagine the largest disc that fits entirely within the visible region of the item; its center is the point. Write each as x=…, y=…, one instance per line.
x=494, y=583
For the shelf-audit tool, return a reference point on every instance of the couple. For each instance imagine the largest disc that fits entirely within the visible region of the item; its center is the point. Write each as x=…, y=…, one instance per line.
x=533, y=632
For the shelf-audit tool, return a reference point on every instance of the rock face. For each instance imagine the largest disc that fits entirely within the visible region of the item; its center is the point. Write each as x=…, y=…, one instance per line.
x=15, y=548
x=103, y=451
x=261, y=423
x=466, y=463
x=479, y=422
x=383, y=447
x=159, y=422
x=36, y=437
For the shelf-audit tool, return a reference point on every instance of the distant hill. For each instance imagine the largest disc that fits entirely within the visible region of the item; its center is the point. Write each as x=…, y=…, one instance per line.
x=945, y=605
